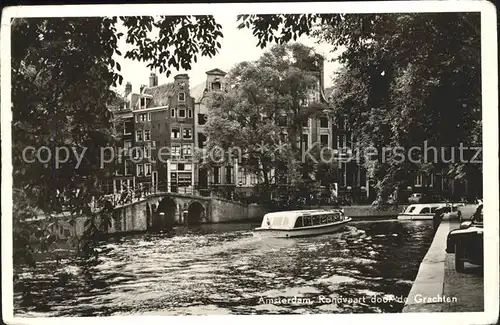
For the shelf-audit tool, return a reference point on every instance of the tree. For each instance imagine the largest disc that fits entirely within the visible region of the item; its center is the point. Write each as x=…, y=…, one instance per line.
x=267, y=101
x=63, y=70
x=397, y=88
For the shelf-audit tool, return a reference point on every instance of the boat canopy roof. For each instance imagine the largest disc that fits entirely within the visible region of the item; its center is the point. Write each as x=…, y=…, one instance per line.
x=424, y=207
x=287, y=219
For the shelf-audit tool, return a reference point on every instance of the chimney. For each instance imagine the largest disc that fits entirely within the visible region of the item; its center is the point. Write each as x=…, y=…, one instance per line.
x=128, y=89
x=153, y=80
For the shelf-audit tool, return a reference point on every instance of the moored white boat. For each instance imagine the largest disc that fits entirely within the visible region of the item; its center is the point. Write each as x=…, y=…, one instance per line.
x=423, y=211
x=300, y=223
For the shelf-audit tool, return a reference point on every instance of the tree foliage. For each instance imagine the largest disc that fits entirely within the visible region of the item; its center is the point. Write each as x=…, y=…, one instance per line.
x=264, y=110
x=63, y=70
x=406, y=79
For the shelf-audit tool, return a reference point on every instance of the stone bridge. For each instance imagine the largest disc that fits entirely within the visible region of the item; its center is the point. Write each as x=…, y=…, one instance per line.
x=162, y=210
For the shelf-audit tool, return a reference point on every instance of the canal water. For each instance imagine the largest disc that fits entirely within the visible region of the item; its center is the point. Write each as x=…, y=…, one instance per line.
x=222, y=269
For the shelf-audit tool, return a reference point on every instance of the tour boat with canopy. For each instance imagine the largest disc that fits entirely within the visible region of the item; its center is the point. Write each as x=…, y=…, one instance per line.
x=298, y=223
x=425, y=211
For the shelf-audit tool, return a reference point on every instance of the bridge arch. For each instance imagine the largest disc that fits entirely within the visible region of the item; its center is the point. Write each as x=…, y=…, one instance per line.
x=164, y=216
x=196, y=213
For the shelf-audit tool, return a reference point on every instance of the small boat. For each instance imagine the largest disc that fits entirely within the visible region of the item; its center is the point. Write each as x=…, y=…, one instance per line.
x=424, y=211
x=299, y=223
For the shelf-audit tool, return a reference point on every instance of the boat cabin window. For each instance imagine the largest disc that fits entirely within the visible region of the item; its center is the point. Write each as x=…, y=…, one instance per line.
x=411, y=209
x=329, y=218
x=315, y=220
x=298, y=222
x=433, y=210
x=323, y=219
x=425, y=210
x=307, y=221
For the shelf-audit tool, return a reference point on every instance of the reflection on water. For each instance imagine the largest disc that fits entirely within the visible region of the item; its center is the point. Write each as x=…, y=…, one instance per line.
x=222, y=269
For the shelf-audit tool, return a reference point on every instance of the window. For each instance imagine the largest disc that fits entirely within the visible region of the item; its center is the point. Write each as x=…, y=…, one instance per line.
x=186, y=133
x=242, y=177
x=137, y=118
x=298, y=222
x=229, y=175
x=182, y=113
x=305, y=141
x=147, y=169
x=425, y=210
x=137, y=152
x=323, y=219
x=143, y=102
x=341, y=141
x=138, y=136
x=149, y=116
x=188, y=167
x=173, y=167
x=176, y=150
x=432, y=179
x=128, y=126
x=202, y=140
x=129, y=167
x=143, y=117
x=307, y=221
x=253, y=179
x=216, y=175
x=147, y=152
x=147, y=135
x=175, y=134
x=172, y=112
x=324, y=140
x=126, y=146
x=202, y=119
x=323, y=122
x=418, y=179
x=186, y=150
x=190, y=113
x=153, y=144
x=182, y=97
x=216, y=86
x=329, y=218
x=140, y=170
x=314, y=220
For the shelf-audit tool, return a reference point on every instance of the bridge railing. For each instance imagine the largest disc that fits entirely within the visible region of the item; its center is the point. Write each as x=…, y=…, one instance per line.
x=129, y=194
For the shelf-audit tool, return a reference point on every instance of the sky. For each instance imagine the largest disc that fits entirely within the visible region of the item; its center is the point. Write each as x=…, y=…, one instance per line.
x=237, y=46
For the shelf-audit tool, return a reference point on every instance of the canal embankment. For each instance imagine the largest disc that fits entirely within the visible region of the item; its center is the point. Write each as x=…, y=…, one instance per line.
x=438, y=287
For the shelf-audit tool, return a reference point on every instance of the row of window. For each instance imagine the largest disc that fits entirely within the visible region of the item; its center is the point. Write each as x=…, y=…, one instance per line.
x=425, y=180
x=174, y=112
x=216, y=176
x=175, y=133
x=143, y=102
x=308, y=221
x=143, y=169
x=142, y=135
x=181, y=113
